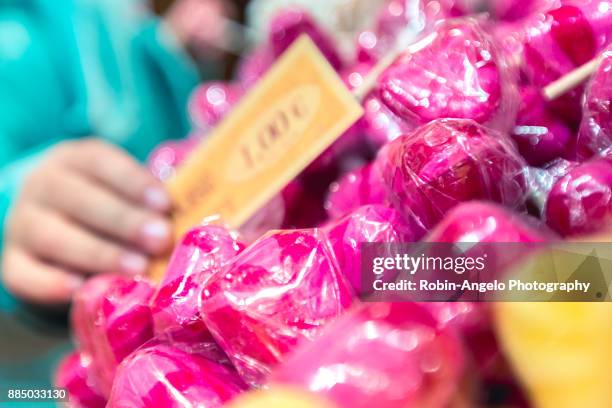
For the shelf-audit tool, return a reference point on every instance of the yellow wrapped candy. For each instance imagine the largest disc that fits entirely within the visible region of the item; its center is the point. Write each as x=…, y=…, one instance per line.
x=562, y=352
x=280, y=397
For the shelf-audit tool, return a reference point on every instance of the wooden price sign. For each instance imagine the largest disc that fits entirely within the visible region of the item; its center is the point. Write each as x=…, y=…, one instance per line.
x=298, y=109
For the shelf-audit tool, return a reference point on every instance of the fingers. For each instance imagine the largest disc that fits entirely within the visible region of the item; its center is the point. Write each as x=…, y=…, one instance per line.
x=49, y=237
x=97, y=208
x=121, y=173
x=33, y=281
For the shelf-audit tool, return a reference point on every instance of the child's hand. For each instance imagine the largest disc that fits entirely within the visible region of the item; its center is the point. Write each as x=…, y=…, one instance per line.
x=88, y=208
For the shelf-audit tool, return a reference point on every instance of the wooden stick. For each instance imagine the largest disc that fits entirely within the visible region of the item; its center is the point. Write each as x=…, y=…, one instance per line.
x=570, y=80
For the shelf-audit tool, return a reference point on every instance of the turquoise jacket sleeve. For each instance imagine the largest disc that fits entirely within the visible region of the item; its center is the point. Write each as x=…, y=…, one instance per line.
x=76, y=68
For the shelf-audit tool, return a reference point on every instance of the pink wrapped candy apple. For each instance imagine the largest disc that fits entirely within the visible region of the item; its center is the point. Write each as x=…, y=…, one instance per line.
x=74, y=374
x=370, y=223
x=202, y=252
x=387, y=355
x=446, y=162
x=359, y=187
x=111, y=318
x=165, y=375
x=278, y=292
x=398, y=24
x=595, y=133
x=581, y=201
x=211, y=101
x=457, y=71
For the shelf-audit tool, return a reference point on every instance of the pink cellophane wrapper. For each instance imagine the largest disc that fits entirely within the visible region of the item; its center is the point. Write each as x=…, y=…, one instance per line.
x=111, y=318
x=446, y=162
x=539, y=135
x=361, y=186
x=544, y=45
x=202, y=252
x=387, y=355
x=595, y=133
x=74, y=374
x=370, y=223
x=479, y=221
x=279, y=291
x=458, y=71
x=581, y=201
x=211, y=101
x=174, y=374
x=398, y=24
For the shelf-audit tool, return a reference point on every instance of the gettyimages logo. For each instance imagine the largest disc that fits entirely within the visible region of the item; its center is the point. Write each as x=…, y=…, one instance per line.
x=532, y=272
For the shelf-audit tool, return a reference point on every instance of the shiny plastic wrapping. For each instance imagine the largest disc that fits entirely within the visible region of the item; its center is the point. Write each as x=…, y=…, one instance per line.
x=202, y=252
x=457, y=71
x=595, y=133
x=479, y=221
x=544, y=44
x=175, y=374
x=488, y=223
x=74, y=374
x=383, y=355
x=278, y=292
x=398, y=24
x=540, y=135
x=370, y=223
x=581, y=201
x=446, y=162
x=361, y=186
x=111, y=318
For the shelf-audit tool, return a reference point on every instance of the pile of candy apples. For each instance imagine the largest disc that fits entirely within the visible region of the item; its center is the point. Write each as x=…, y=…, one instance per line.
x=456, y=145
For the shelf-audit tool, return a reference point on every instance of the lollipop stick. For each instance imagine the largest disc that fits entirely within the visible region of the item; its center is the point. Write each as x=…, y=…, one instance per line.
x=571, y=80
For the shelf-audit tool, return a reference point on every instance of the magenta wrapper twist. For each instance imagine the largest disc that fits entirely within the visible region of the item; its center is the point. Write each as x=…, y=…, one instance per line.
x=74, y=374
x=111, y=318
x=173, y=375
x=201, y=253
x=370, y=223
x=278, y=292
